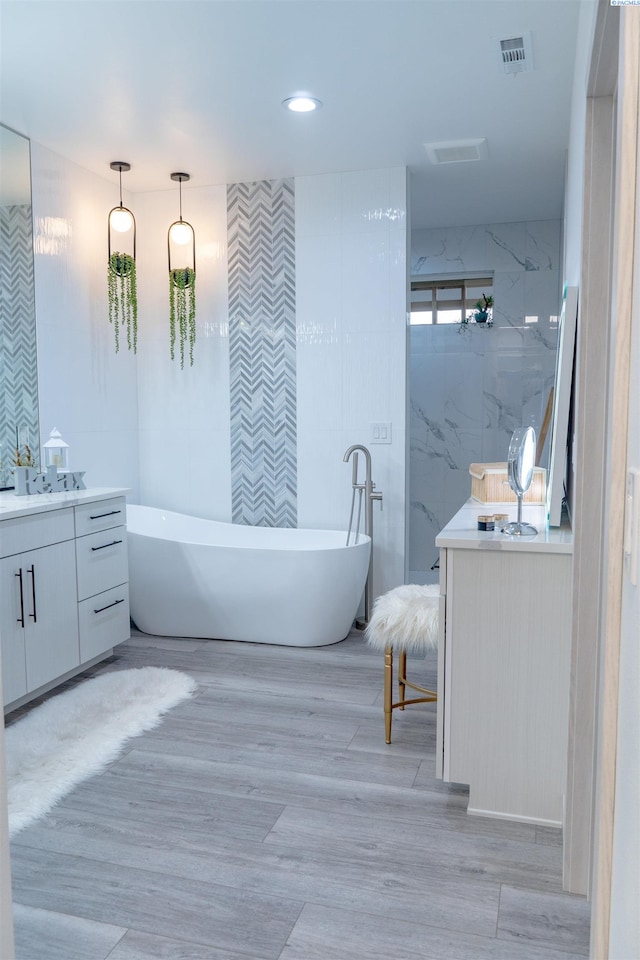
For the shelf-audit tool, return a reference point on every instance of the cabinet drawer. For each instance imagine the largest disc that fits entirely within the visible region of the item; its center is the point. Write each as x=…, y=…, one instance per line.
x=36, y=530
x=100, y=515
x=103, y=621
x=101, y=560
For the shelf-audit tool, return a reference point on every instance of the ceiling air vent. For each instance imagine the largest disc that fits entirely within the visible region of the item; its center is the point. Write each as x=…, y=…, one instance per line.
x=515, y=54
x=456, y=151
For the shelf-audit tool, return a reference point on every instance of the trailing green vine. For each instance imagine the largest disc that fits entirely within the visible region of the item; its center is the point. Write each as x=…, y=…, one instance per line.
x=123, y=298
x=182, y=312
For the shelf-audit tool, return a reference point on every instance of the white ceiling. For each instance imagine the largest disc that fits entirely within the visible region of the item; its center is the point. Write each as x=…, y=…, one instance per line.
x=197, y=85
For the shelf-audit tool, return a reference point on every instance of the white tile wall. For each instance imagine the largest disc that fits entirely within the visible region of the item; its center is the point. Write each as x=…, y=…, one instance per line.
x=351, y=354
x=86, y=390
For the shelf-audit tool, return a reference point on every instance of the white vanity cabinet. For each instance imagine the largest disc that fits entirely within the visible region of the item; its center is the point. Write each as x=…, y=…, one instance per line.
x=64, y=599
x=503, y=666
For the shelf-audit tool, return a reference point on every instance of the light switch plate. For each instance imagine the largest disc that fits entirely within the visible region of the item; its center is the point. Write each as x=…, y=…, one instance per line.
x=380, y=433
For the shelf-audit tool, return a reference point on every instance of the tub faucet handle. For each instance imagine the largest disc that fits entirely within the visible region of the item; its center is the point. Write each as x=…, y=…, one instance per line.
x=376, y=495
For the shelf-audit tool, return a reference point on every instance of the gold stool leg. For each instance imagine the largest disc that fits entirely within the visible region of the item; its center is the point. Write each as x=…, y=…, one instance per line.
x=388, y=690
x=402, y=673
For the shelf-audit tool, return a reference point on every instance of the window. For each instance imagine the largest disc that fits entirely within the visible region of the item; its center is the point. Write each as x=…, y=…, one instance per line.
x=446, y=301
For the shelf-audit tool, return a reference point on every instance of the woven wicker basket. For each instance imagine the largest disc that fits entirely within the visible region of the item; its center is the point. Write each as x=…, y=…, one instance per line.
x=490, y=484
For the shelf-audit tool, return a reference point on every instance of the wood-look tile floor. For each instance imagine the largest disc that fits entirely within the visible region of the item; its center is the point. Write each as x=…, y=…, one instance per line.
x=266, y=818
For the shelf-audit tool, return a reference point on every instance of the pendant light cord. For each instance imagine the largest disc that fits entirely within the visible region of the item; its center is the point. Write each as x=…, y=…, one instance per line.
x=179, y=178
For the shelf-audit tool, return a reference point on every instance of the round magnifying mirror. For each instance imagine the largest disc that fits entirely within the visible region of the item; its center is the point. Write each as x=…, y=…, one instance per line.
x=521, y=460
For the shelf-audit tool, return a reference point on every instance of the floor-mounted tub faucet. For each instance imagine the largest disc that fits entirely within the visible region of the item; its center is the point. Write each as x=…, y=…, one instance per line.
x=370, y=494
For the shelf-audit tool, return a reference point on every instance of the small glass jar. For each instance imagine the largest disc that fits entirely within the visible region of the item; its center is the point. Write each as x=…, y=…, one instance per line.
x=500, y=520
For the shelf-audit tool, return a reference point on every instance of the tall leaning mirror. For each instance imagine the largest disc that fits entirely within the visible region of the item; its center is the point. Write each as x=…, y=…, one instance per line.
x=19, y=429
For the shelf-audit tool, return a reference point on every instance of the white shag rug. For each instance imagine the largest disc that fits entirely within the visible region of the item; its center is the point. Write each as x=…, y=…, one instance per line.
x=78, y=733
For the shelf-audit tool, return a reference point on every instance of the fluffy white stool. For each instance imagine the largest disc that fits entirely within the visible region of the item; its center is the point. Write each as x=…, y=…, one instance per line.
x=405, y=619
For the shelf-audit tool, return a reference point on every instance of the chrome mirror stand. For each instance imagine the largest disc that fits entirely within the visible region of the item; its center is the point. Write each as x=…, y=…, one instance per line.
x=520, y=464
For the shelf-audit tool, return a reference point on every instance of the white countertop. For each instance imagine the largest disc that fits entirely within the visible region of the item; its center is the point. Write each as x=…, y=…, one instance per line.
x=12, y=506
x=462, y=530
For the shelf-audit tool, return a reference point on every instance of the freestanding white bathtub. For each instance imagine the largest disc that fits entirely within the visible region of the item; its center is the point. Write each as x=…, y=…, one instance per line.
x=201, y=578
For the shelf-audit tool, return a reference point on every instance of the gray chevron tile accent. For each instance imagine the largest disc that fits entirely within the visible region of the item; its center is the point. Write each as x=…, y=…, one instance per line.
x=18, y=369
x=262, y=358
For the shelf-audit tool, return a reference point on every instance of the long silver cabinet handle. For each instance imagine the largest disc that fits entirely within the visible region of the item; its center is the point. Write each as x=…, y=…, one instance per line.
x=20, y=619
x=99, y=516
x=114, y=604
x=112, y=544
x=32, y=571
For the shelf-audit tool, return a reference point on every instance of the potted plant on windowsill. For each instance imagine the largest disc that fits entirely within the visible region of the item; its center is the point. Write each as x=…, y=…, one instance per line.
x=483, y=310
x=482, y=313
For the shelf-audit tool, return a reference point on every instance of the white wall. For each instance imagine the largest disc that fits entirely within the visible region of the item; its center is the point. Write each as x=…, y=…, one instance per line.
x=624, y=931
x=574, y=186
x=183, y=414
x=624, y=937
x=86, y=390
x=351, y=356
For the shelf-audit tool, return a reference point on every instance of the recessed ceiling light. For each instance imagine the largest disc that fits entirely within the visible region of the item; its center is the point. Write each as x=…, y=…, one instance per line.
x=302, y=104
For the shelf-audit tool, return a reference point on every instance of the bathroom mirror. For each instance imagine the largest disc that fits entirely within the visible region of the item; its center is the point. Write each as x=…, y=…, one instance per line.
x=521, y=460
x=558, y=460
x=18, y=369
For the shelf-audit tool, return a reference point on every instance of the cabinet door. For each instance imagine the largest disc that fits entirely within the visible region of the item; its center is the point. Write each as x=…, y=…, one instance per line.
x=51, y=613
x=12, y=610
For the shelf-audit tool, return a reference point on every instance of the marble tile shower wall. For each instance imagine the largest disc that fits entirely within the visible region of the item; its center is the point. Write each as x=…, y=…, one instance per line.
x=470, y=390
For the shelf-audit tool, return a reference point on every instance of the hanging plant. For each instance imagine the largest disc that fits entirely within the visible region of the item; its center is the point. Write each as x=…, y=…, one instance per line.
x=181, y=249
x=123, y=298
x=121, y=267
x=182, y=312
